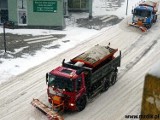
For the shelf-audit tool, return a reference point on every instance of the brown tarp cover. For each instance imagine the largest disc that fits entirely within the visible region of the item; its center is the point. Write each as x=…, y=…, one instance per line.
x=95, y=55
x=150, y=3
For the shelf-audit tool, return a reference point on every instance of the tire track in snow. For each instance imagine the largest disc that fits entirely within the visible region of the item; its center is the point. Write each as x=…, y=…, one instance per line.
x=127, y=51
x=137, y=59
x=129, y=66
x=116, y=103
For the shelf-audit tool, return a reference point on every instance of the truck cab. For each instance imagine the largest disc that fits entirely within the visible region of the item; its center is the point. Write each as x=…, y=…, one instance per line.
x=143, y=14
x=65, y=84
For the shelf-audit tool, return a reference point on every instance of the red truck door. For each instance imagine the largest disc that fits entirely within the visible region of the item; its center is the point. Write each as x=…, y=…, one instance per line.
x=81, y=99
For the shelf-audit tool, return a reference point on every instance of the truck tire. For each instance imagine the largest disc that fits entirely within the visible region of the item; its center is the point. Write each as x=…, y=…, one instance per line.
x=155, y=19
x=106, y=84
x=81, y=103
x=148, y=26
x=113, y=78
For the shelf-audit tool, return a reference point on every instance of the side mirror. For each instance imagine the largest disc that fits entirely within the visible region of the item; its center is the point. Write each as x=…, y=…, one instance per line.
x=132, y=11
x=78, y=72
x=63, y=62
x=47, y=75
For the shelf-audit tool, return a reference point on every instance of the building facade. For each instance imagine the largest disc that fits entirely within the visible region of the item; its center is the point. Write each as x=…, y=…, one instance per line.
x=40, y=13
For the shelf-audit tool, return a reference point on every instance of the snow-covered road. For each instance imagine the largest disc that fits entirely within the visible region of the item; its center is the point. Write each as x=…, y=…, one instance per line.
x=139, y=52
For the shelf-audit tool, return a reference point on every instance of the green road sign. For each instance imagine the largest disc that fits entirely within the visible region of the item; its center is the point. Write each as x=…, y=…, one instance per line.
x=44, y=6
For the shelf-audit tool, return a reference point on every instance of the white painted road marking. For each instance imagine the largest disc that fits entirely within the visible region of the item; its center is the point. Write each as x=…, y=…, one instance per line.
x=30, y=39
x=108, y=19
x=105, y=17
x=42, y=40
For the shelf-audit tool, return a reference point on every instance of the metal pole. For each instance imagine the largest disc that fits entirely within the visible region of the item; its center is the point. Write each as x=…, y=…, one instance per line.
x=90, y=9
x=127, y=8
x=22, y=4
x=66, y=7
x=4, y=36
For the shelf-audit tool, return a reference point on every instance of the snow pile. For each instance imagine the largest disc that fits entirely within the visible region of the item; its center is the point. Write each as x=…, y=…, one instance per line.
x=155, y=70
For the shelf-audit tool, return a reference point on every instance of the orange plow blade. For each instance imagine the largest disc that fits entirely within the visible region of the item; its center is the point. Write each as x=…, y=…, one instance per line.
x=52, y=115
x=142, y=28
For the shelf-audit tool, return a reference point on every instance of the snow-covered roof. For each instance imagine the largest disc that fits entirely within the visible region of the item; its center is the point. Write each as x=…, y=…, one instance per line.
x=155, y=70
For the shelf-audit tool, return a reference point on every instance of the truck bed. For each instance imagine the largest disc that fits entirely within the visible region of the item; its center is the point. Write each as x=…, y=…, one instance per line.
x=106, y=69
x=151, y=4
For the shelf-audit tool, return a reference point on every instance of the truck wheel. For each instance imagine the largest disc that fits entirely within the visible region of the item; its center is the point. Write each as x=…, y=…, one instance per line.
x=106, y=84
x=113, y=78
x=81, y=103
x=148, y=26
x=155, y=19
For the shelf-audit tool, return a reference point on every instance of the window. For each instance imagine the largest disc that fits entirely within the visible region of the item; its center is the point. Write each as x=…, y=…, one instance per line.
x=3, y=11
x=3, y=4
x=142, y=13
x=78, y=83
x=61, y=82
x=77, y=3
x=22, y=12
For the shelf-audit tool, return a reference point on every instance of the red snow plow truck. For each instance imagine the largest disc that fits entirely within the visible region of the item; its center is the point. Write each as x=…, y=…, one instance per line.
x=73, y=84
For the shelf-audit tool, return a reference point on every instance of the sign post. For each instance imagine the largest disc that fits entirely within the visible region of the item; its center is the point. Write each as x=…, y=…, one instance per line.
x=90, y=9
x=127, y=8
x=4, y=36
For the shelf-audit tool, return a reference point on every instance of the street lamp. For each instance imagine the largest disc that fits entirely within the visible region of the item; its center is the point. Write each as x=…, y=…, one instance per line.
x=90, y=9
x=127, y=8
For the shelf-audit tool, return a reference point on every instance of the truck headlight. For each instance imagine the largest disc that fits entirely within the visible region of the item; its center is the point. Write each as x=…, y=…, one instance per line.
x=72, y=104
x=145, y=19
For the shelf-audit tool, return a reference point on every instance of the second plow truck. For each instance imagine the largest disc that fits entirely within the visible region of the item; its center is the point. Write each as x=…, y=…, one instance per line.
x=144, y=15
x=73, y=84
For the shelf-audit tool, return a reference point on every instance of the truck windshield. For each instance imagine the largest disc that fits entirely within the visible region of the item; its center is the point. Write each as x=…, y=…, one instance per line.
x=61, y=83
x=142, y=13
